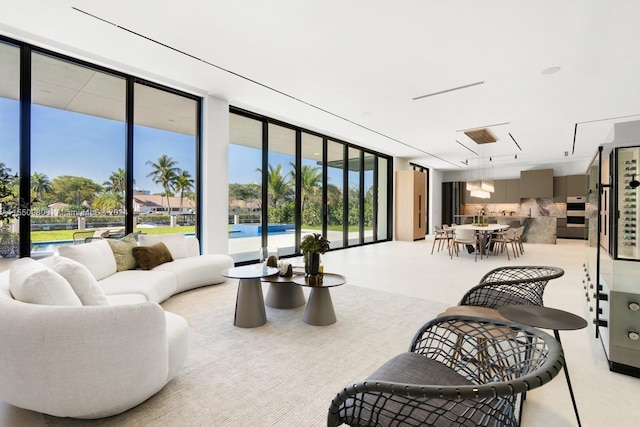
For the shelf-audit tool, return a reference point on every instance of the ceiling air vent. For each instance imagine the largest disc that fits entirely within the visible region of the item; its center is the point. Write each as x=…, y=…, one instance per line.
x=481, y=136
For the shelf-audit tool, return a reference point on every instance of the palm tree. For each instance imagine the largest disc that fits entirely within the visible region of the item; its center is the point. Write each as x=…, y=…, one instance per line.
x=310, y=182
x=278, y=185
x=109, y=201
x=164, y=173
x=117, y=182
x=183, y=184
x=40, y=184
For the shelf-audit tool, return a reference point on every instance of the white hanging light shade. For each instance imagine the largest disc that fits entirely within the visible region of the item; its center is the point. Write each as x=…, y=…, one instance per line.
x=487, y=186
x=473, y=185
x=481, y=194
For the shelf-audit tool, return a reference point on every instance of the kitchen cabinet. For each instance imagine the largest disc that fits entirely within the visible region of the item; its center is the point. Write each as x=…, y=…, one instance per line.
x=499, y=194
x=560, y=189
x=512, y=191
x=536, y=184
x=561, y=230
x=576, y=185
x=410, y=206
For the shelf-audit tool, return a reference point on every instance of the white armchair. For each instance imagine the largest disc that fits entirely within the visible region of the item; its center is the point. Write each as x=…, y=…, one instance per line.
x=86, y=361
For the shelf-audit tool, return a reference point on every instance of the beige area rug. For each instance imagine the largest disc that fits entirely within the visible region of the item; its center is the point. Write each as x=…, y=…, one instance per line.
x=284, y=373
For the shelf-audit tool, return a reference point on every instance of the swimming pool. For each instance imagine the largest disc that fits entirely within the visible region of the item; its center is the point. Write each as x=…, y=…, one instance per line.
x=255, y=230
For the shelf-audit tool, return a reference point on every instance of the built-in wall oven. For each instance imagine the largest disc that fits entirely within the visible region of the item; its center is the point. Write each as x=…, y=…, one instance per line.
x=576, y=210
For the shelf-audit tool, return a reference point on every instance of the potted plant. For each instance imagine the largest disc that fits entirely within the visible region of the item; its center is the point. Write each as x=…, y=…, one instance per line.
x=312, y=246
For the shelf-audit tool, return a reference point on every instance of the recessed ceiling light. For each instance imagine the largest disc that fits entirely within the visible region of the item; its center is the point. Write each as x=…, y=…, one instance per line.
x=550, y=70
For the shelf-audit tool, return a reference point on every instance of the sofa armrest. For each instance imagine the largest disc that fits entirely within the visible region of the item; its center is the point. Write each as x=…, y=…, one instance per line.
x=84, y=362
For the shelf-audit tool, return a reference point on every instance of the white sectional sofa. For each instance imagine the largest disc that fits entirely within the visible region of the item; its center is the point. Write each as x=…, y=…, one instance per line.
x=80, y=339
x=188, y=270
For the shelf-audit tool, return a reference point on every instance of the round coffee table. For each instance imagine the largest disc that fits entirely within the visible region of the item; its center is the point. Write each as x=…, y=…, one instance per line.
x=539, y=316
x=283, y=293
x=250, y=311
x=319, y=311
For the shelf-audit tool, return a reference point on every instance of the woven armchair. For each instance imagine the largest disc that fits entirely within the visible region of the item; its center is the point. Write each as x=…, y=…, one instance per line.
x=522, y=285
x=459, y=371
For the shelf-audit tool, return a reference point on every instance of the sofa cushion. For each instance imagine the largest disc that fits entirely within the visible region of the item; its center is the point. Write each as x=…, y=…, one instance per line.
x=202, y=270
x=32, y=282
x=156, y=286
x=125, y=299
x=123, y=252
x=96, y=256
x=152, y=256
x=176, y=243
x=81, y=280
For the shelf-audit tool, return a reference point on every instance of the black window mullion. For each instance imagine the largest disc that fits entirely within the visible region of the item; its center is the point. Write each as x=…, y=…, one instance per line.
x=265, y=183
x=298, y=201
x=345, y=195
x=361, y=197
x=374, y=194
x=25, y=149
x=325, y=208
x=198, y=177
x=129, y=117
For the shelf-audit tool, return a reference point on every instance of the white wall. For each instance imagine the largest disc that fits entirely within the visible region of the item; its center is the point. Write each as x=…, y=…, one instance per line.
x=215, y=176
x=435, y=199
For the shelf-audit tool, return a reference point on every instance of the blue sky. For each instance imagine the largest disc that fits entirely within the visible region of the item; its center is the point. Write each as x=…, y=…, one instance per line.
x=243, y=162
x=68, y=143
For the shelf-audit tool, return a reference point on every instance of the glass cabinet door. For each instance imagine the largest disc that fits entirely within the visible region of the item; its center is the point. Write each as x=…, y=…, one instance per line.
x=628, y=186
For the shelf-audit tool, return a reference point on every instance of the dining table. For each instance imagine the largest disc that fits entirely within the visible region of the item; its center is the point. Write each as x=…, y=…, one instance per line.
x=485, y=229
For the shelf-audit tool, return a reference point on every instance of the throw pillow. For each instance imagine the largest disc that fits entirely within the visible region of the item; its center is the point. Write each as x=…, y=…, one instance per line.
x=81, y=280
x=176, y=243
x=96, y=256
x=149, y=257
x=122, y=251
x=32, y=282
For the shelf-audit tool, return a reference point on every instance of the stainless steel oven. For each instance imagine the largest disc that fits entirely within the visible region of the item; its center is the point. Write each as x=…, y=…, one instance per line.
x=576, y=211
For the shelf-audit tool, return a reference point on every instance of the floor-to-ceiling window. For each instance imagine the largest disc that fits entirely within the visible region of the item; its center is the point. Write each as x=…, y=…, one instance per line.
x=73, y=147
x=354, y=203
x=311, y=205
x=383, y=199
x=165, y=136
x=298, y=182
x=335, y=187
x=245, y=187
x=281, y=189
x=77, y=149
x=370, y=196
x=9, y=146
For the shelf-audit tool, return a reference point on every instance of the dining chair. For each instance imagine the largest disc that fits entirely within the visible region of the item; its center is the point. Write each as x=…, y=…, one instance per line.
x=439, y=236
x=502, y=241
x=518, y=240
x=465, y=237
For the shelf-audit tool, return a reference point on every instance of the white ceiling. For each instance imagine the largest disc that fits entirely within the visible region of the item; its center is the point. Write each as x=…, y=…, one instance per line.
x=351, y=68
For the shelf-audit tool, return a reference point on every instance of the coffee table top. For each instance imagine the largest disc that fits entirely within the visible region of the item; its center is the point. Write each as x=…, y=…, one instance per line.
x=328, y=280
x=543, y=317
x=249, y=272
x=280, y=279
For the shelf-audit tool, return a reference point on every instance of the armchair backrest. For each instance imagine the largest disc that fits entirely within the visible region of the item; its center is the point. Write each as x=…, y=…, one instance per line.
x=511, y=285
x=459, y=371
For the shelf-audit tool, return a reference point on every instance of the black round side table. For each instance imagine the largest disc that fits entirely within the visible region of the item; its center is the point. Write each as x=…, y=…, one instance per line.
x=547, y=318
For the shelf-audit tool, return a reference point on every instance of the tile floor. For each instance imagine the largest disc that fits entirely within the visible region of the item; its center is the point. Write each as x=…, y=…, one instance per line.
x=604, y=398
